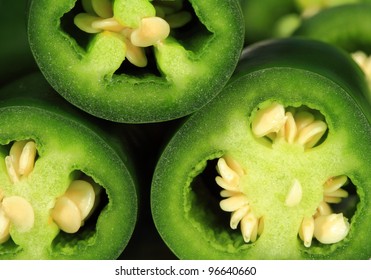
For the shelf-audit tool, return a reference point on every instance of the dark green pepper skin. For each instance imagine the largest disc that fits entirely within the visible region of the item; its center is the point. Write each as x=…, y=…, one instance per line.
x=15, y=55
x=189, y=76
x=345, y=26
x=68, y=142
x=295, y=73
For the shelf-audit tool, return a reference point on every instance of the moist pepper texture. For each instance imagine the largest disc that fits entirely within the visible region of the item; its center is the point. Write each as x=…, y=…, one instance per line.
x=136, y=61
x=277, y=166
x=67, y=189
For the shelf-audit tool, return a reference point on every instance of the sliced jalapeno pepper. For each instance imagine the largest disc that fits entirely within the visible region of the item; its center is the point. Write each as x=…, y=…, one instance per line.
x=277, y=166
x=346, y=26
x=136, y=61
x=67, y=190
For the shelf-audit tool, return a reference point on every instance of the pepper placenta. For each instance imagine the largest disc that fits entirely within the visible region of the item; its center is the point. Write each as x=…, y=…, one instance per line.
x=68, y=190
x=276, y=166
x=136, y=61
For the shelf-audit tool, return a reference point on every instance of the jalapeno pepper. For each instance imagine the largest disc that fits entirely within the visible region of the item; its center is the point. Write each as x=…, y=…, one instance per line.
x=277, y=166
x=67, y=190
x=345, y=26
x=136, y=61
x=15, y=55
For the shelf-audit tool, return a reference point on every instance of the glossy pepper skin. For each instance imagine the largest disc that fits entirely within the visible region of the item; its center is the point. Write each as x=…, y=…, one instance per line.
x=295, y=73
x=346, y=27
x=69, y=147
x=185, y=70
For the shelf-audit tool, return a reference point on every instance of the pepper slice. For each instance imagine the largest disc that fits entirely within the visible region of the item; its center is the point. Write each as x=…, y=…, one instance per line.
x=347, y=27
x=136, y=61
x=67, y=188
x=277, y=166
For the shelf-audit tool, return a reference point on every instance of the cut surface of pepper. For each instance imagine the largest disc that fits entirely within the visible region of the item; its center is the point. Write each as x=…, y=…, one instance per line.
x=70, y=210
x=295, y=128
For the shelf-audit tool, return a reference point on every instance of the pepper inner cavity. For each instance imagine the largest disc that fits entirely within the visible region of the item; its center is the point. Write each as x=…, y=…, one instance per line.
x=99, y=16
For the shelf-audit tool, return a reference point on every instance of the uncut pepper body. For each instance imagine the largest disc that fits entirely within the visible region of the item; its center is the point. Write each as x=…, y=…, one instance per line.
x=69, y=147
x=184, y=71
x=282, y=182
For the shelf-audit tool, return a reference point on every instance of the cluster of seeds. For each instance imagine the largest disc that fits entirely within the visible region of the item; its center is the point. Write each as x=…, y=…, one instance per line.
x=74, y=206
x=99, y=16
x=70, y=210
x=302, y=128
x=15, y=210
x=327, y=227
x=236, y=201
x=299, y=127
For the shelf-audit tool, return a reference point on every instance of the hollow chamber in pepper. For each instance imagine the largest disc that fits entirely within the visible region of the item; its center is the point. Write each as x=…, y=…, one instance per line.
x=136, y=61
x=277, y=166
x=67, y=190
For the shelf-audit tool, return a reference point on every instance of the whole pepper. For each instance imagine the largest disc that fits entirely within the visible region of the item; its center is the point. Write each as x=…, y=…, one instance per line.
x=68, y=190
x=136, y=61
x=277, y=166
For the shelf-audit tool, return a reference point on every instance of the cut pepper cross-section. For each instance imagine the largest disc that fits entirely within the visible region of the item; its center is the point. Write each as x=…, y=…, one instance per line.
x=136, y=61
x=286, y=162
x=59, y=181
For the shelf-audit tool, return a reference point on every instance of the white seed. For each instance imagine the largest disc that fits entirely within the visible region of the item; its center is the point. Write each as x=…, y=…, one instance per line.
x=233, y=203
x=295, y=194
x=324, y=209
x=306, y=231
x=331, y=199
x=4, y=226
x=228, y=193
x=66, y=215
x=16, y=152
x=311, y=134
x=27, y=159
x=261, y=226
x=85, y=22
x=151, y=31
x=249, y=227
x=338, y=193
x=107, y=24
x=20, y=212
x=12, y=173
x=268, y=120
x=331, y=229
x=303, y=119
x=229, y=178
x=234, y=165
x=83, y=195
x=237, y=216
x=335, y=183
x=135, y=55
x=102, y=8
x=290, y=128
